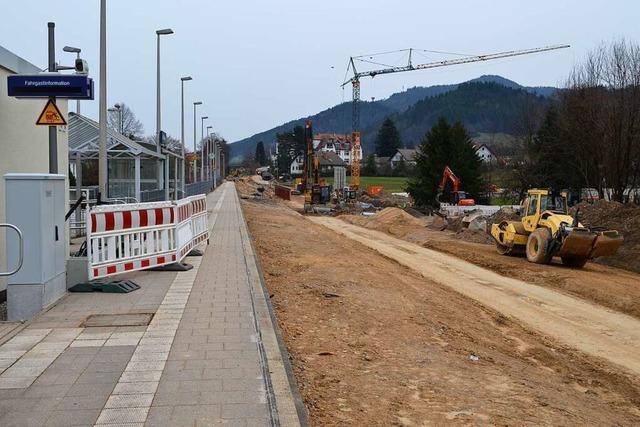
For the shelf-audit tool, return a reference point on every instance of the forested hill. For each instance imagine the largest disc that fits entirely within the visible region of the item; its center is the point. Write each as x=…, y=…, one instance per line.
x=407, y=106
x=481, y=107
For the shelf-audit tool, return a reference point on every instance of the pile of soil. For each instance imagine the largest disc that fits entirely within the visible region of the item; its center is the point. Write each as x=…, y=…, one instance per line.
x=504, y=214
x=454, y=223
x=248, y=188
x=383, y=200
x=474, y=236
x=625, y=218
x=396, y=216
x=393, y=221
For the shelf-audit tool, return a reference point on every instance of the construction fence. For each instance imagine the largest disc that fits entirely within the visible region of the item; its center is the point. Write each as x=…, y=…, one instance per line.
x=136, y=236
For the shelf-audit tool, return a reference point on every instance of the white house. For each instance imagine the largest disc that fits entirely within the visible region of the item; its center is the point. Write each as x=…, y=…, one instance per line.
x=485, y=154
x=406, y=155
x=336, y=143
x=297, y=166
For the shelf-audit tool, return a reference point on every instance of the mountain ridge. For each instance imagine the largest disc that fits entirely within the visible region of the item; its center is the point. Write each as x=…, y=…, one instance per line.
x=338, y=118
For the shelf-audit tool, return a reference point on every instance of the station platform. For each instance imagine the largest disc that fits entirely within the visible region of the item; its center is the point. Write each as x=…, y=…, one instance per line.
x=188, y=348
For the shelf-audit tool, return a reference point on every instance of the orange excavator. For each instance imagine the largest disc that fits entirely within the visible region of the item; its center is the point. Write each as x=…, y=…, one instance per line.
x=460, y=198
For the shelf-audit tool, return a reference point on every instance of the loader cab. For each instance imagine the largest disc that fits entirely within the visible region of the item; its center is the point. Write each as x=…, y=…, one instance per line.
x=539, y=201
x=530, y=211
x=554, y=202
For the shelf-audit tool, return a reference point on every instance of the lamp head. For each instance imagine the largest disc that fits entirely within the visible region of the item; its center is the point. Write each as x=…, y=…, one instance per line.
x=71, y=49
x=187, y=78
x=164, y=32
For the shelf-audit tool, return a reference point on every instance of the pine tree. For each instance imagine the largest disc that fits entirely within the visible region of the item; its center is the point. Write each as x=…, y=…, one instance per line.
x=445, y=145
x=290, y=146
x=369, y=168
x=388, y=139
x=261, y=156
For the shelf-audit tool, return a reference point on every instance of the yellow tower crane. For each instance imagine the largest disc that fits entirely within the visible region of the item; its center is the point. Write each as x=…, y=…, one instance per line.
x=355, y=83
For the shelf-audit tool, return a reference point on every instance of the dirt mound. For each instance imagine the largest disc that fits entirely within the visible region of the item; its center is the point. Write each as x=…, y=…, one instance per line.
x=474, y=236
x=394, y=221
x=625, y=218
x=504, y=214
x=396, y=216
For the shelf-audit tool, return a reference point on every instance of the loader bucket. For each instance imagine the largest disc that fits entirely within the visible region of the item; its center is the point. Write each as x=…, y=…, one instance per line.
x=578, y=244
x=607, y=243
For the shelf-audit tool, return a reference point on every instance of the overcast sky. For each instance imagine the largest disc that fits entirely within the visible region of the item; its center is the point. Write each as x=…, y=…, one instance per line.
x=257, y=64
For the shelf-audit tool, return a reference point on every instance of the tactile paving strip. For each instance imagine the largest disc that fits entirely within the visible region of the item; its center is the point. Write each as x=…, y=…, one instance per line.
x=131, y=398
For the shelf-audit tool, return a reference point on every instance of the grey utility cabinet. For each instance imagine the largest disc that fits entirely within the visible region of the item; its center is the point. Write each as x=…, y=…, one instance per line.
x=35, y=203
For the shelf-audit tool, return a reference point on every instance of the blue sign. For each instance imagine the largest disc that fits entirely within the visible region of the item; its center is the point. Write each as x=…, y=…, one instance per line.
x=70, y=86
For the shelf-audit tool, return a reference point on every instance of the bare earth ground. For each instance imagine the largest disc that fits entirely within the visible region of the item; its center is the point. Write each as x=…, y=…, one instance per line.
x=374, y=343
x=608, y=286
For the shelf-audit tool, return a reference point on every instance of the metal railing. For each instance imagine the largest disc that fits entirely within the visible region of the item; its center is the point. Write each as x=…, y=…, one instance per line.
x=152, y=196
x=202, y=187
x=20, y=253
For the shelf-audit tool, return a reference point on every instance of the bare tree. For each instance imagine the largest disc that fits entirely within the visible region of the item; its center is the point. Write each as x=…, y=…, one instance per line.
x=124, y=120
x=601, y=115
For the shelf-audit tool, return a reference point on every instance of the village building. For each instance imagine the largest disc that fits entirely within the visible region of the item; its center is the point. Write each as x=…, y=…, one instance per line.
x=406, y=155
x=485, y=154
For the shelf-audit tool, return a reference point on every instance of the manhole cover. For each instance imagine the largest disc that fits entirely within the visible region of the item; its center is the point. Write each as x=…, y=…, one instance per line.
x=129, y=319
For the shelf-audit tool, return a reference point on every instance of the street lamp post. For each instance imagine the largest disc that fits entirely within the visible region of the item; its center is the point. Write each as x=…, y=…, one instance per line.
x=182, y=80
x=77, y=51
x=202, y=147
x=102, y=117
x=159, y=33
x=215, y=164
x=195, y=149
x=208, y=153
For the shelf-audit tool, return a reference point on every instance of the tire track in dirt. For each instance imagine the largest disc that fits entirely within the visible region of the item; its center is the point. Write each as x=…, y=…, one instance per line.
x=590, y=328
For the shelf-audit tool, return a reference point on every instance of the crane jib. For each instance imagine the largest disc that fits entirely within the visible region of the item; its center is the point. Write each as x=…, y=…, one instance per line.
x=458, y=61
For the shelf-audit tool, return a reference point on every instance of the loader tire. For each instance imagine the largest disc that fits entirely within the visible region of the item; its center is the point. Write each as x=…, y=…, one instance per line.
x=537, y=246
x=516, y=250
x=574, y=262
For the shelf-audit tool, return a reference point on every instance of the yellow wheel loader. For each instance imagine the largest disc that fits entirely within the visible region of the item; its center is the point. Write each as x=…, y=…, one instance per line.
x=546, y=230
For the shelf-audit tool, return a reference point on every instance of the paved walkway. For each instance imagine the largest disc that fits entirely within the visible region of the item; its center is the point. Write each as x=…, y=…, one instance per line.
x=209, y=355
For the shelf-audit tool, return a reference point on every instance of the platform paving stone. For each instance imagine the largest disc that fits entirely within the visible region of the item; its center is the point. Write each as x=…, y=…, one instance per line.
x=200, y=360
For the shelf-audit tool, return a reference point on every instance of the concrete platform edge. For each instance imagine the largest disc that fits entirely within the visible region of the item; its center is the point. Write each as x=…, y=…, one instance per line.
x=289, y=406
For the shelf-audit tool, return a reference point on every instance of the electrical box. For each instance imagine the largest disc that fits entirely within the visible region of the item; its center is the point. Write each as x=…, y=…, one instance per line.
x=35, y=203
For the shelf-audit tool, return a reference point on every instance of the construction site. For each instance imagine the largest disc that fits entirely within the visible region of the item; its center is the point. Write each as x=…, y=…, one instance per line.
x=446, y=234
x=401, y=319
x=401, y=310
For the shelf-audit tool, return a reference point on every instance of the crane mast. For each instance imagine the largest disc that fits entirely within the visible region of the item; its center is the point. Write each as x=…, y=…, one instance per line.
x=355, y=83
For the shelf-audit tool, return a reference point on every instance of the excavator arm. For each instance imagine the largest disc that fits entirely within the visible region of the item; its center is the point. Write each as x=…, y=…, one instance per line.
x=448, y=175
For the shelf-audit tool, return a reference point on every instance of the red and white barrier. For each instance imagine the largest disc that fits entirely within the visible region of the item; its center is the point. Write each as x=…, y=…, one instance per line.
x=129, y=237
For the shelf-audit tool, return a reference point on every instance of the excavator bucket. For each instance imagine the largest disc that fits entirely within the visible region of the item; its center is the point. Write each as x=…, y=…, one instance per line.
x=607, y=243
x=578, y=244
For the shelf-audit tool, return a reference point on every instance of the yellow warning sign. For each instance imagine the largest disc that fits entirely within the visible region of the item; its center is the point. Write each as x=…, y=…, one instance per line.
x=51, y=115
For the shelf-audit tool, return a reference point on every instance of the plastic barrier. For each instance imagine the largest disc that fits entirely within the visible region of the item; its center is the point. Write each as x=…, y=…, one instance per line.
x=375, y=190
x=123, y=238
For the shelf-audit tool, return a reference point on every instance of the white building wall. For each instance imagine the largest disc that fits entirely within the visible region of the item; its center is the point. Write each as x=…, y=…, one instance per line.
x=484, y=154
x=296, y=166
x=24, y=147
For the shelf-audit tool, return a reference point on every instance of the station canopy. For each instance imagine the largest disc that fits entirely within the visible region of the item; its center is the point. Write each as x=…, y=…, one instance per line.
x=83, y=141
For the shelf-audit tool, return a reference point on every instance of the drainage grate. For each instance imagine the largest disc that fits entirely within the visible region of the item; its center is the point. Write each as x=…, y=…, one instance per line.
x=126, y=319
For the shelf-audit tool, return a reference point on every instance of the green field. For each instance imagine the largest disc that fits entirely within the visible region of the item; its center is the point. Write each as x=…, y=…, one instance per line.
x=391, y=184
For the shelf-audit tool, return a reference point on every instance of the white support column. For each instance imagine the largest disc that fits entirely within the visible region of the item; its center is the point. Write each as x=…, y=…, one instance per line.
x=175, y=179
x=137, y=177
